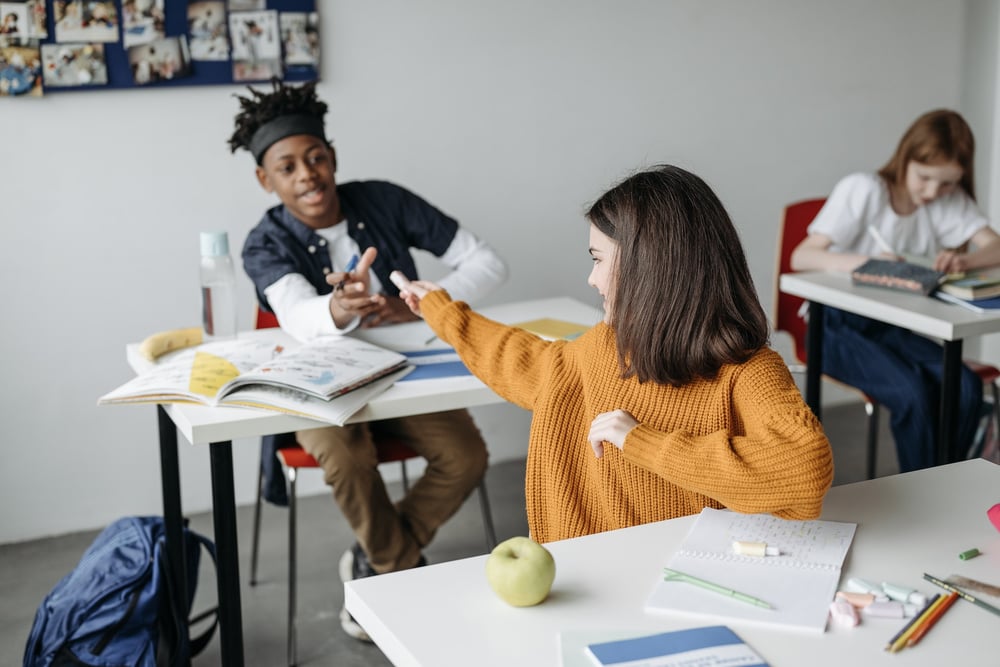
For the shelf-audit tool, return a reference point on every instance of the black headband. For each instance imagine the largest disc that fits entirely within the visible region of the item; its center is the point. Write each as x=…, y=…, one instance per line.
x=281, y=127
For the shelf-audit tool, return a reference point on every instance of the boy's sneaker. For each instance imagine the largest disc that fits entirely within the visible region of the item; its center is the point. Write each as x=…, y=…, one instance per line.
x=354, y=565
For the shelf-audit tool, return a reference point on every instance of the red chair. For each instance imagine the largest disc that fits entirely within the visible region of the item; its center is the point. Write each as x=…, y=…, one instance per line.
x=389, y=450
x=789, y=319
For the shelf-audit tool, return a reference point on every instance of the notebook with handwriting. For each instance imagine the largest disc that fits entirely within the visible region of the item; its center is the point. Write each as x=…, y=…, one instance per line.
x=798, y=583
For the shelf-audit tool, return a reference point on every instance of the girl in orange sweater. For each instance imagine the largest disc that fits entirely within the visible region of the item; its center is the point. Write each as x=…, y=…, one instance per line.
x=674, y=402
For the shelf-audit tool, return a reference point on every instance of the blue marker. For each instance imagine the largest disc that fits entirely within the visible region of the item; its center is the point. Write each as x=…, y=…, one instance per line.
x=351, y=265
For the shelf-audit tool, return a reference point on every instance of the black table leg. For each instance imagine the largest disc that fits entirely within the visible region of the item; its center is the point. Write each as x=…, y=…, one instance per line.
x=224, y=516
x=814, y=358
x=173, y=517
x=950, y=381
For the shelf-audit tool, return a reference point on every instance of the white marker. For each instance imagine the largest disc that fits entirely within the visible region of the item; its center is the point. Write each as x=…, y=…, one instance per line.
x=399, y=280
x=755, y=549
x=880, y=240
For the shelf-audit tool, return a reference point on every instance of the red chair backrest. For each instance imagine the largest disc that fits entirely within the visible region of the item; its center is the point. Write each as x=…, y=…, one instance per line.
x=265, y=320
x=793, y=230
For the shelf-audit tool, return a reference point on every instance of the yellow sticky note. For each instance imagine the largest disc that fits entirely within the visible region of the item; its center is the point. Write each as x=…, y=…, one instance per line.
x=551, y=328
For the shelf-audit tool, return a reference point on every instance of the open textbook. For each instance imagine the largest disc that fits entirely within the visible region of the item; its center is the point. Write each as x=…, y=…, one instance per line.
x=329, y=378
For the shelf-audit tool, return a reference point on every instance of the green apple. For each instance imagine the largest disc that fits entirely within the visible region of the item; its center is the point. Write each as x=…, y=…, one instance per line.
x=520, y=571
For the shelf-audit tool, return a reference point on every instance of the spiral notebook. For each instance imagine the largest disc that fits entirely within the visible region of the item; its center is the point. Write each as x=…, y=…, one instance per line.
x=798, y=584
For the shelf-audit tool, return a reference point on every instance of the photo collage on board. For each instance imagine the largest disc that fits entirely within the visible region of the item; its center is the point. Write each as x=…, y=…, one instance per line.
x=22, y=27
x=51, y=45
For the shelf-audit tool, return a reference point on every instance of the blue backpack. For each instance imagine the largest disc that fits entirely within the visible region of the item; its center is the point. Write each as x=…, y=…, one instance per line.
x=114, y=610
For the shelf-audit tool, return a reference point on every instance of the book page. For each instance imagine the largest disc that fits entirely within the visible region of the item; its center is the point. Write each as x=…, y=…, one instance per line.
x=195, y=374
x=324, y=367
x=335, y=411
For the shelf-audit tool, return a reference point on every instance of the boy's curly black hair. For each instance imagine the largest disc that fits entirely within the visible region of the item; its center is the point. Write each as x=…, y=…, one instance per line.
x=264, y=107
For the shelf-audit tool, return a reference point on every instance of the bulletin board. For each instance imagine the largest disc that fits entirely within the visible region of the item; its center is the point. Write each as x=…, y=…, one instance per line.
x=55, y=46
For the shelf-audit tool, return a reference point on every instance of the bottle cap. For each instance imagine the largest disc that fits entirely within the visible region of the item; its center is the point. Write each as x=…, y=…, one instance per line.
x=214, y=244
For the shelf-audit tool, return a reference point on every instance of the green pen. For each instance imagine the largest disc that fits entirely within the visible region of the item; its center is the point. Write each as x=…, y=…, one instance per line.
x=674, y=575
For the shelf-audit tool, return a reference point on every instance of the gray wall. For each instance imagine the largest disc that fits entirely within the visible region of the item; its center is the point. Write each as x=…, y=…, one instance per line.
x=511, y=116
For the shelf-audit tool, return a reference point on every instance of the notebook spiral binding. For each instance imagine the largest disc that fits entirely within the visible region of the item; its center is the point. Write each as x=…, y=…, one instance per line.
x=782, y=561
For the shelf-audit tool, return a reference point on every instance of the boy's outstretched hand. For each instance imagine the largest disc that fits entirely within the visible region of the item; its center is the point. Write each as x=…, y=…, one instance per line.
x=412, y=291
x=350, y=296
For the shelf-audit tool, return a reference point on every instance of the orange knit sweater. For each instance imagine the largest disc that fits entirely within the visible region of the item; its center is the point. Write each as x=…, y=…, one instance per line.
x=745, y=440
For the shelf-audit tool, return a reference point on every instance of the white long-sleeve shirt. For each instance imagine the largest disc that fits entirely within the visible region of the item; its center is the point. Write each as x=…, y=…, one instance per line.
x=476, y=269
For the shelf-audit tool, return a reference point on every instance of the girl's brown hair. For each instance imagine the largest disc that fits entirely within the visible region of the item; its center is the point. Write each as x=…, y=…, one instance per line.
x=937, y=136
x=684, y=302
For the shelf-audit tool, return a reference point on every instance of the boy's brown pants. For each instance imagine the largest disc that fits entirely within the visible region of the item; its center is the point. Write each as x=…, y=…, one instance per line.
x=393, y=535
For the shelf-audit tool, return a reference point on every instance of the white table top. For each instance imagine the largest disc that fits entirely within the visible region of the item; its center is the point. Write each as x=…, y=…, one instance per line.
x=921, y=314
x=203, y=425
x=446, y=615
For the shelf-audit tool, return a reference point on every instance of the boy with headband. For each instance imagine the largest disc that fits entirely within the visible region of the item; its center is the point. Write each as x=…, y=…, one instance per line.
x=320, y=260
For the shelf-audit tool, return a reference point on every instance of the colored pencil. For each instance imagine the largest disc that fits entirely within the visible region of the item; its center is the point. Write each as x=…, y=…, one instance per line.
x=899, y=639
x=919, y=633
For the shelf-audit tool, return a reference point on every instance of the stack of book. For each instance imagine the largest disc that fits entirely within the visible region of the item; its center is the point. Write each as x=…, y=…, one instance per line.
x=978, y=291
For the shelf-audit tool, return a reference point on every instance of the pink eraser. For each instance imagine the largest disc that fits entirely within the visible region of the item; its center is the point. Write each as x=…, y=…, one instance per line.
x=843, y=613
x=994, y=515
x=856, y=599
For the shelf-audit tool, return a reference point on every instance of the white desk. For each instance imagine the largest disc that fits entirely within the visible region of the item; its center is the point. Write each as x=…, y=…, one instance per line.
x=923, y=315
x=217, y=427
x=445, y=615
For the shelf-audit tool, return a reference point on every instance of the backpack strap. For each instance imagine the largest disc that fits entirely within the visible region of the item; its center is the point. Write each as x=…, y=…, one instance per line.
x=170, y=650
x=199, y=643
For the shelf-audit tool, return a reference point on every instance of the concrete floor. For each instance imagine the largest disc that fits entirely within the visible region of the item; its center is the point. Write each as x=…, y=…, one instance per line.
x=29, y=570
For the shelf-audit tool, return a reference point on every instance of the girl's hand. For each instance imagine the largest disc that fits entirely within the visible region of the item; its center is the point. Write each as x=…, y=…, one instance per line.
x=412, y=291
x=610, y=427
x=393, y=310
x=951, y=261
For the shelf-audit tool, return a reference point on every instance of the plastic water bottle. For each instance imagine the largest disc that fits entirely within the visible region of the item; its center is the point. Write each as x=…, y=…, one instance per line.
x=218, y=287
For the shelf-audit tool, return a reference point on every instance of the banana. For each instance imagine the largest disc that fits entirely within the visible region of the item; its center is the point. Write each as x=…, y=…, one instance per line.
x=165, y=341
